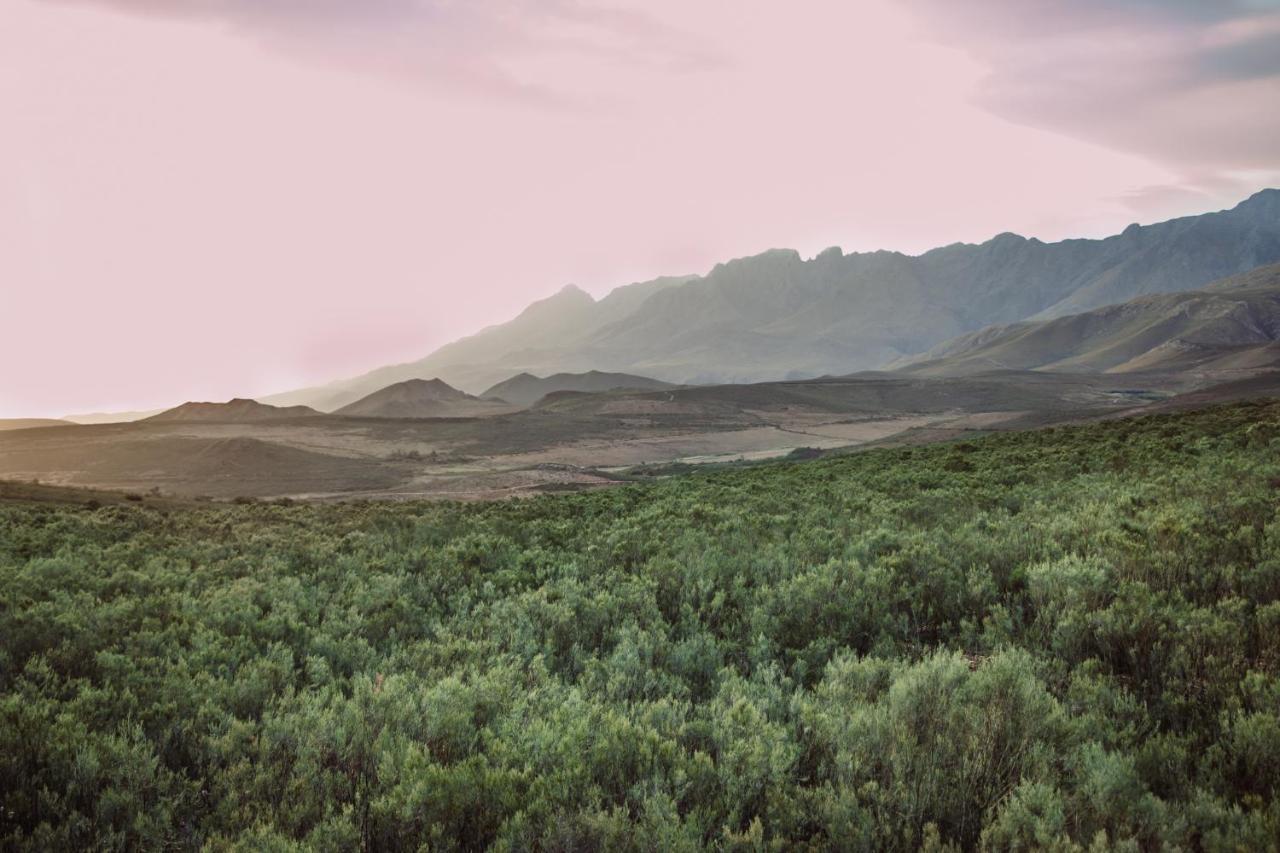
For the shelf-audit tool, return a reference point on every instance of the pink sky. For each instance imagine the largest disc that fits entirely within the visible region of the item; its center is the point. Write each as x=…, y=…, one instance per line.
x=260, y=195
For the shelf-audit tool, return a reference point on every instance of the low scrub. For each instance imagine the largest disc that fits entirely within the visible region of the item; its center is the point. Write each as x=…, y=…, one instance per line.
x=1066, y=639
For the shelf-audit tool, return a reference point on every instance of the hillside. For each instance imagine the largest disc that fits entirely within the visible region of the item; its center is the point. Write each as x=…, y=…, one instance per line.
x=217, y=467
x=95, y=418
x=525, y=389
x=1064, y=639
x=238, y=410
x=778, y=316
x=31, y=423
x=1231, y=325
x=420, y=398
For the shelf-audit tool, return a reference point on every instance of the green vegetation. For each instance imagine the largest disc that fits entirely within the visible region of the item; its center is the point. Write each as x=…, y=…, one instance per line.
x=1065, y=639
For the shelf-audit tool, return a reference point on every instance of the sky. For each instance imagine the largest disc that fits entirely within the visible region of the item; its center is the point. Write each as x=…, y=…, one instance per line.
x=202, y=199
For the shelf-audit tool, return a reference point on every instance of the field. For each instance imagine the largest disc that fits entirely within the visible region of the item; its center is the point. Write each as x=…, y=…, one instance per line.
x=1061, y=639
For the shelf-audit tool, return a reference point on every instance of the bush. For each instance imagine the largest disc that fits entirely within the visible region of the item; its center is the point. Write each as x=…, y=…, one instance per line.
x=1008, y=643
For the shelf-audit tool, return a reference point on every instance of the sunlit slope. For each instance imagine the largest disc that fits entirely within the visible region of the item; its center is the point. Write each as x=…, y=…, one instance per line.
x=1232, y=325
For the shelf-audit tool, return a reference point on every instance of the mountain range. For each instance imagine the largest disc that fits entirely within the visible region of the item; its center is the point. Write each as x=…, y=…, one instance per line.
x=778, y=316
x=1226, y=331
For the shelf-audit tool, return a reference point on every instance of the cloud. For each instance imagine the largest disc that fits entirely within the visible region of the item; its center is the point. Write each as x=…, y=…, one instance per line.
x=1191, y=84
x=533, y=50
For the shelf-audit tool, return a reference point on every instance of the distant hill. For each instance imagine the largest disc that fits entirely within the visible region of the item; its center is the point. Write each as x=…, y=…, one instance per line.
x=31, y=423
x=179, y=465
x=777, y=316
x=111, y=417
x=238, y=410
x=1231, y=325
x=421, y=398
x=525, y=389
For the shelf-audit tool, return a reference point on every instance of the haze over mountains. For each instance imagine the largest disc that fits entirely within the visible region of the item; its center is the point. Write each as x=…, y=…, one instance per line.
x=776, y=316
x=420, y=438
x=565, y=317
x=90, y=418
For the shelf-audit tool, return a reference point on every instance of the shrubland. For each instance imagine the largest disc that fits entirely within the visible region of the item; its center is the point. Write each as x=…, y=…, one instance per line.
x=1066, y=639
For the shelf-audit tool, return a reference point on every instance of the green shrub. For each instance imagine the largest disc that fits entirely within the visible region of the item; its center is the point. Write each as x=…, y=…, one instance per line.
x=1059, y=640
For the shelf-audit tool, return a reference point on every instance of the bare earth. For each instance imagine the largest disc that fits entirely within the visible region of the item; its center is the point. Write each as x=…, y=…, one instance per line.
x=584, y=441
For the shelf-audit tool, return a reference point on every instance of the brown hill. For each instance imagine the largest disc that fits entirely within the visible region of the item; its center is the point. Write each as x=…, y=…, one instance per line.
x=136, y=458
x=421, y=398
x=31, y=423
x=525, y=389
x=238, y=410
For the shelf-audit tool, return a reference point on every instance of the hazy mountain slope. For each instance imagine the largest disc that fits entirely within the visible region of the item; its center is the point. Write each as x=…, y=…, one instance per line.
x=1232, y=324
x=537, y=335
x=550, y=324
x=776, y=316
x=1183, y=254
x=31, y=423
x=111, y=417
x=526, y=389
x=238, y=410
x=420, y=398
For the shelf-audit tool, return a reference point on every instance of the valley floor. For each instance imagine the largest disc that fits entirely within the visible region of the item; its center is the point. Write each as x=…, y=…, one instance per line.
x=576, y=441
